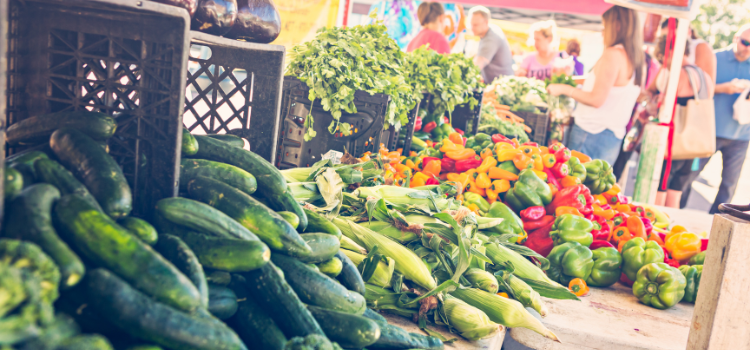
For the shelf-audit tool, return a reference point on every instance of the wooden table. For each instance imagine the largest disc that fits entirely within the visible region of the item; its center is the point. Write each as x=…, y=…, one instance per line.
x=492, y=343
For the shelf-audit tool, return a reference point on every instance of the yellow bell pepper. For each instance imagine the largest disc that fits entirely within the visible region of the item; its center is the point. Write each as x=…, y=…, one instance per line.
x=549, y=160
x=464, y=179
x=529, y=150
x=606, y=214
x=682, y=246
x=614, y=190
x=505, y=155
x=461, y=154
x=676, y=229
x=601, y=200
x=538, y=165
x=486, y=153
x=410, y=164
x=503, y=145
x=483, y=181
x=472, y=187
x=543, y=150
x=402, y=170
x=416, y=183
x=542, y=175
x=449, y=146
x=487, y=163
x=420, y=176
x=499, y=186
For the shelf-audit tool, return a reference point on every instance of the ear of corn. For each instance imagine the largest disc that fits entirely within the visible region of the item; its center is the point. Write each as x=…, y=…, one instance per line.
x=382, y=275
x=305, y=191
x=385, y=299
x=296, y=174
x=473, y=323
x=522, y=292
x=408, y=196
x=482, y=280
x=524, y=268
x=403, y=237
x=349, y=244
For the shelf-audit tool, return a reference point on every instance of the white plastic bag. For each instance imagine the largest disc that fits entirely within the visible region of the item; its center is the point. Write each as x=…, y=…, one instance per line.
x=742, y=108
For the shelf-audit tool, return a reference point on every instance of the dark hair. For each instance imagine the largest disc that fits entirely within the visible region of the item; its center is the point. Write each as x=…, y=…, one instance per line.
x=661, y=48
x=573, y=47
x=665, y=24
x=429, y=12
x=623, y=28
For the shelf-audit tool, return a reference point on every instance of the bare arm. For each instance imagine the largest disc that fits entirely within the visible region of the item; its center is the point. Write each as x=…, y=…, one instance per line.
x=706, y=60
x=606, y=71
x=728, y=88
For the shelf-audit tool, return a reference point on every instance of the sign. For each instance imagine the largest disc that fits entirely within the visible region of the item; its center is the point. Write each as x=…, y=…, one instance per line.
x=301, y=19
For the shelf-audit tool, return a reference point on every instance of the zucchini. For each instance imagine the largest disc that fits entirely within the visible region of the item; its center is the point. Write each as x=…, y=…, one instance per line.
x=290, y=217
x=140, y=228
x=29, y=218
x=13, y=183
x=269, y=226
x=37, y=129
x=189, y=144
x=102, y=240
x=317, y=289
x=349, y=331
x=184, y=259
x=220, y=278
x=85, y=342
x=24, y=164
x=393, y=337
x=142, y=317
x=350, y=276
x=227, y=254
x=323, y=246
x=95, y=168
x=319, y=223
x=55, y=174
x=331, y=268
x=201, y=217
x=232, y=140
x=228, y=174
x=222, y=302
x=252, y=324
x=286, y=202
x=270, y=290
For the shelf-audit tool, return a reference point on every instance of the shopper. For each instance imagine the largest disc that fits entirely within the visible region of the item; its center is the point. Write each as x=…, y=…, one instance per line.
x=573, y=49
x=493, y=56
x=610, y=90
x=701, y=53
x=543, y=37
x=430, y=15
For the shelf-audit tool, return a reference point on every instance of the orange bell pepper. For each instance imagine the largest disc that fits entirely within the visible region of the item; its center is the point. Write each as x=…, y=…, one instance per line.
x=500, y=186
x=621, y=244
x=505, y=155
x=487, y=163
x=491, y=195
x=486, y=153
x=461, y=154
x=403, y=170
x=456, y=138
x=599, y=199
x=496, y=173
x=578, y=287
x=483, y=181
x=636, y=226
x=543, y=150
x=449, y=146
x=606, y=214
x=432, y=168
x=410, y=164
x=521, y=161
x=570, y=181
x=621, y=234
x=656, y=238
x=682, y=246
x=472, y=187
x=622, y=208
x=542, y=175
x=561, y=210
x=614, y=190
x=549, y=160
x=416, y=183
x=582, y=157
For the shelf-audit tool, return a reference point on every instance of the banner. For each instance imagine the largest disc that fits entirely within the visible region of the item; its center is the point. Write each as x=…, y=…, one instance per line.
x=301, y=19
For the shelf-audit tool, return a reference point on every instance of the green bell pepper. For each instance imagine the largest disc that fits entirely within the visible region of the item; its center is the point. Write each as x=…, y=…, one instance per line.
x=482, y=138
x=511, y=224
x=447, y=129
x=572, y=228
x=607, y=267
x=637, y=253
x=576, y=169
x=599, y=177
x=692, y=281
x=529, y=191
x=471, y=142
x=473, y=198
x=509, y=166
x=432, y=152
x=568, y=261
x=697, y=259
x=659, y=285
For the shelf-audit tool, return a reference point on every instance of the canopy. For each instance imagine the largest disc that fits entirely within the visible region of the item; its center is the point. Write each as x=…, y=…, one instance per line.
x=581, y=7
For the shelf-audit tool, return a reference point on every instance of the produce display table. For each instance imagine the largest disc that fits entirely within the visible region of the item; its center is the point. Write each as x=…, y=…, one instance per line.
x=492, y=343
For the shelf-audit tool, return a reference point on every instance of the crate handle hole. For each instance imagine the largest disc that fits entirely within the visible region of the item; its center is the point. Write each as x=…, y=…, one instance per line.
x=309, y=151
x=203, y=52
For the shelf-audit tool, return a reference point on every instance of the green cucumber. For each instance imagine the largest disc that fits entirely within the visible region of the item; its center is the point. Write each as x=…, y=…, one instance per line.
x=228, y=174
x=95, y=168
x=202, y=218
x=13, y=183
x=323, y=246
x=290, y=217
x=24, y=164
x=252, y=324
x=142, y=317
x=55, y=174
x=222, y=302
x=350, y=276
x=29, y=218
x=62, y=327
x=140, y=228
x=331, y=268
x=217, y=277
x=189, y=144
x=184, y=259
x=317, y=289
x=349, y=331
x=269, y=226
x=85, y=342
x=37, y=129
x=393, y=337
x=271, y=291
x=108, y=244
x=227, y=254
x=232, y=140
x=145, y=347
x=319, y=223
x=286, y=202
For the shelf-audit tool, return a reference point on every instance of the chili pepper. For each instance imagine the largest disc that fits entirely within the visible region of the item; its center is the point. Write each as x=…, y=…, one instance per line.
x=549, y=160
x=581, y=157
x=604, y=213
x=533, y=213
x=539, y=240
x=432, y=168
x=497, y=173
x=429, y=127
x=472, y=187
x=529, y=150
x=542, y=175
x=487, y=163
x=560, y=170
x=562, y=155
x=449, y=165
x=600, y=244
x=556, y=147
x=483, y=181
x=648, y=225
x=418, y=123
x=505, y=155
x=621, y=234
x=467, y=164
x=515, y=143
x=487, y=153
x=522, y=162
x=536, y=224
x=466, y=153
x=496, y=138
x=636, y=227
x=456, y=138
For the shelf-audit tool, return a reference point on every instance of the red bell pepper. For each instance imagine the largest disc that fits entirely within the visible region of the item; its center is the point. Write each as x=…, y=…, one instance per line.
x=540, y=241
x=533, y=213
x=672, y=262
x=625, y=280
x=606, y=206
x=618, y=220
x=429, y=127
x=648, y=225
x=446, y=120
x=600, y=244
x=561, y=169
x=496, y=138
x=704, y=244
x=532, y=144
x=427, y=160
x=556, y=147
x=562, y=155
x=601, y=233
x=459, y=131
x=529, y=226
x=638, y=210
x=467, y=164
x=577, y=196
x=447, y=165
x=432, y=181
x=616, y=199
x=418, y=123
x=551, y=177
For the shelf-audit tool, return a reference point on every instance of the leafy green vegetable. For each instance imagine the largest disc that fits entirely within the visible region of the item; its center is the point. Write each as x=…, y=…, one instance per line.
x=561, y=78
x=520, y=93
x=491, y=124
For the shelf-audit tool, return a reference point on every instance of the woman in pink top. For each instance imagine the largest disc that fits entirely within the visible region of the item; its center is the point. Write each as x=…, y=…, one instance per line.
x=539, y=64
x=431, y=17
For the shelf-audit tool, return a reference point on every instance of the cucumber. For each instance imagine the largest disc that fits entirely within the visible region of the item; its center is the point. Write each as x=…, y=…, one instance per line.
x=269, y=226
x=319, y=223
x=13, y=183
x=184, y=259
x=55, y=174
x=270, y=290
x=189, y=144
x=202, y=218
x=286, y=202
x=350, y=276
x=375, y=316
x=232, y=140
x=228, y=174
x=317, y=289
x=290, y=217
x=145, y=347
x=252, y=324
x=140, y=228
x=29, y=218
x=102, y=240
x=85, y=342
x=37, y=129
x=227, y=254
x=222, y=302
x=349, y=331
x=24, y=164
x=63, y=327
x=75, y=303
x=323, y=246
x=142, y=317
x=393, y=337
x=220, y=278
x=95, y=168
x=331, y=268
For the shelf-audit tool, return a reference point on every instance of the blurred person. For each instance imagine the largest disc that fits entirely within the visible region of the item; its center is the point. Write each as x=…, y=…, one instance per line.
x=701, y=53
x=605, y=103
x=493, y=56
x=573, y=49
x=431, y=15
x=543, y=37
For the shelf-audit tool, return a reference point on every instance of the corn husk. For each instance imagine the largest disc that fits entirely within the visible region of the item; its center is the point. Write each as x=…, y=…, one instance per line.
x=523, y=267
x=407, y=196
x=527, y=296
x=472, y=323
x=296, y=174
x=507, y=312
x=385, y=299
x=305, y=191
x=349, y=244
x=482, y=280
x=402, y=236
x=383, y=272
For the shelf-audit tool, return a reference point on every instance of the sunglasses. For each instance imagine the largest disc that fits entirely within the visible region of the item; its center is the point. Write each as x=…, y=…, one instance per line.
x=745, y=42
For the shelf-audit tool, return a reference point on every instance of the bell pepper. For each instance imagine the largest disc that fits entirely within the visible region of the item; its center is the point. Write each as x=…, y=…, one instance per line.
x=569, y=181
x=500, y=186
x=512, y=224
x=568, y=261
x=449, y=165
x=492, y=196
x=567, y=210
x=536, y=224
x=462, y=154
x=474, y=208
x=542, y=175
x=615, y=189
x=549, y=160
x=529, y=150
x=577, y=197
x=636, y=253
x=483, y=181
x=417, y=183
x=562, y=155
x=637, y=209
x=617, y=199
x=538, y=165
x=603, y=213
x=607, y=267
x=420, y=176
x=599, y=177
x=459, y=131
x=636, y=227
x=578, y=287
x=552, y=189
x=656, y=237
x=418, y=123
x=528, y=191
x=683, y=246
x=580, y=156
x=432, y=181
x=456, y=138
x=467, y=164
x=472, y=187
x=523, y=162
x=692, y=281
x=470, y=143
x=505, y=155
x=659, y=285
x=429, y=127
x=575, y=168
x=697, y=259
x=473, y=198
x=539, y=240
x=647, y=224
x=496, y=173
x=403, y=170
x=487, y=153
x=487, y=163
x=571, y=228
x=556, y=147
x=560, y=170
x=508, y=166
x=532, y=213
x=497, y=138
x=620, y=234
x=601, y=244
x=427, y=160
x=450, y=146
x=602, y=233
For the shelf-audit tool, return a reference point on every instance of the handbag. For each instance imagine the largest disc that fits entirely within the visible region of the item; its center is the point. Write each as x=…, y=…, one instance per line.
x=695, y=124
x=742, y=108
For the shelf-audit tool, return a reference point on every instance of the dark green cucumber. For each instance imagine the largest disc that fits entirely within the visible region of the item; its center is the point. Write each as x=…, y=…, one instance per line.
x=37, y=129
x=290, y=217
x=331, y=268
x=63, y=327
x=269, y=226
x=85, y=342
x=271, y=291
x=142, y=317
x=232, y=140
x=319, y=223
x=108, y=244
x=349, y=331
x=270, y=181
x=202, y=218
x=25, y=165
x=317, y=289
x=140, y=228
x=228, y=174
x=393, y=337
x=95, y=168
x=227, y=254
x=189, y=144
x=184, y=259
x=222, y=302
x=145, y=347
x=323, y=246
x=350, y=276
x=29, y=218
x=252, y=324
x=286, y=202
x=55, y=174
x=217, y=277
x=13, y=183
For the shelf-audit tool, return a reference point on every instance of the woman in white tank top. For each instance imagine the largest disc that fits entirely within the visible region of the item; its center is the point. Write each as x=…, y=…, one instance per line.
x=610, y=91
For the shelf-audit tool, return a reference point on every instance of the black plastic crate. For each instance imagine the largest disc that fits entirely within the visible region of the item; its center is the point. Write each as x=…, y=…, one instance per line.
x=367, y=127
x=229, y=81
x=539, y=124
x=123, y=58
x=463, y=115
x=408, y=129
x=3, y=100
